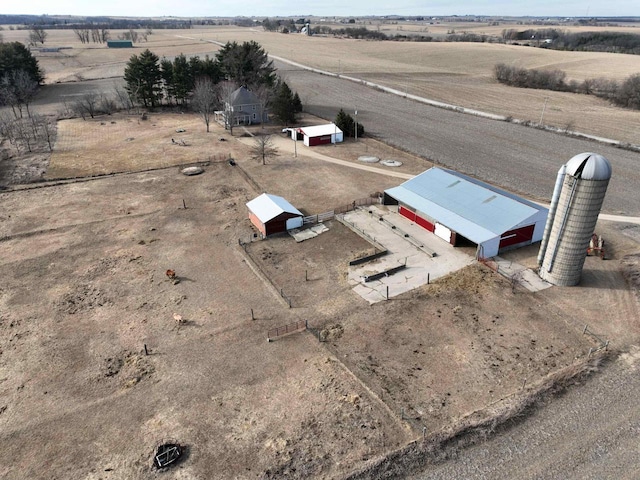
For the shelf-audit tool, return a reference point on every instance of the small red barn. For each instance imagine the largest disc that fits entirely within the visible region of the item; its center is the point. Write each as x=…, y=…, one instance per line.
x=273, y=214
x=318, y=134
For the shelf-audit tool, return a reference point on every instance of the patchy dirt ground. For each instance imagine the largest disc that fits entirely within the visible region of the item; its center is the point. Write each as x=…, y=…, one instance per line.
x=84, y=290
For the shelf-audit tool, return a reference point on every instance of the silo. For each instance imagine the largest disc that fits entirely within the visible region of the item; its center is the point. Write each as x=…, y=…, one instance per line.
x=579, y=194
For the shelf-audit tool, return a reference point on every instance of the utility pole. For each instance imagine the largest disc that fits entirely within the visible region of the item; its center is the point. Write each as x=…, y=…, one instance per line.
x=356, y=110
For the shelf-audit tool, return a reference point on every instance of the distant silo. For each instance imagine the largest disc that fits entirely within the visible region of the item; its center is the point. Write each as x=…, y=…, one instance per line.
x=575, y=206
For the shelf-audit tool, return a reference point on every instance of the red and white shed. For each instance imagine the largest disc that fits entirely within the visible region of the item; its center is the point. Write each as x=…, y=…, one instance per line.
x=318, y=134
x=273, y=214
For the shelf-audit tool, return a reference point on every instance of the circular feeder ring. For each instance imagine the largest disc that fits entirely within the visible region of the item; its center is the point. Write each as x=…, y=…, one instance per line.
x=368, y=159
x=391, y=163
x=190, y=171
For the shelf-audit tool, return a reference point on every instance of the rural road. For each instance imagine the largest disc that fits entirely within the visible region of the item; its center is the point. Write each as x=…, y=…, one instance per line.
x=518, y=158
x=590, y=432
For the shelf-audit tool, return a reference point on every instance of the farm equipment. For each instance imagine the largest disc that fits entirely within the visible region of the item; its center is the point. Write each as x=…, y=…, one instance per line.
x=596, y=246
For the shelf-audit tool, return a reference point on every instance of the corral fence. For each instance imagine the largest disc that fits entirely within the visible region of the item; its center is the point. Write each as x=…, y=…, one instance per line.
x=298, y=326
x=318, y=218
x=322, y=217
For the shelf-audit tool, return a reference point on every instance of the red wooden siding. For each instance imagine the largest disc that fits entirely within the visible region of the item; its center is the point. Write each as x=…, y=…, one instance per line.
x=424, y=223
x=407, y=213
x=514, y=237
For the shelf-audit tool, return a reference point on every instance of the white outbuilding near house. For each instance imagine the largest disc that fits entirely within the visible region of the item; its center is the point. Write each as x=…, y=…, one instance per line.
x=318, y=134
x=273, y=214
x=464, y=211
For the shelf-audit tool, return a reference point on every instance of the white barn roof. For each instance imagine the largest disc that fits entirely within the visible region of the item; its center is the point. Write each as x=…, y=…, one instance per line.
x=320, y=130
x=475, y=209
x=267, y=207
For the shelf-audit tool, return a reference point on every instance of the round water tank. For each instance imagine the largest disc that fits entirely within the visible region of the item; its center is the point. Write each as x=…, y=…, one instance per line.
x=571, y=225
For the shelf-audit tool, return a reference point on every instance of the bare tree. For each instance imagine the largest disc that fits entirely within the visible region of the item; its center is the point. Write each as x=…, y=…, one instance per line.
x=226, y=90
x=17, y=90
x=82, y=34
x=107, y=104
x=131, y=34
x=263, y=148
x=264, y=94
x=87, y=104
x=205, y=99
x=123, y=98
x=8, y=130
x=37, y=35
x=46, y=129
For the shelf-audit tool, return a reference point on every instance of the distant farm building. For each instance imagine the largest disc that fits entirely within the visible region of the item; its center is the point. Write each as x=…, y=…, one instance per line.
x=318, y=134
x=273, y=214
x=243, y=107
x=465, y=211
x=119, y=44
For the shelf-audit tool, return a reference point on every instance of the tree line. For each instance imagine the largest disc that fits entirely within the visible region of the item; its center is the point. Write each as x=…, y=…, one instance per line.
x=20, y=78
x=557, y=39
x=206, y=84
x=625, y=94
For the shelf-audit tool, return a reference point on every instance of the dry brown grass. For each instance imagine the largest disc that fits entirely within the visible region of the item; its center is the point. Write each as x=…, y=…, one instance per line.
x=119, y=143
x=456, y=73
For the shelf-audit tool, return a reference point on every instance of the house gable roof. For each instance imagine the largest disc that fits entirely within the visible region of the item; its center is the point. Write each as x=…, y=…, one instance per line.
x=243, y=96
x=267, y=207
x=472, y=208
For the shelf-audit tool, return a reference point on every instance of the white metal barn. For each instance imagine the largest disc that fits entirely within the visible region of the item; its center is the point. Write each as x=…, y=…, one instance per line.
x=318, y=134
x=273, y=214
x=463, y=211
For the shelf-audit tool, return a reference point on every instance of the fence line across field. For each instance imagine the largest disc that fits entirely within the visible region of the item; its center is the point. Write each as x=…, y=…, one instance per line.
x=286, y=329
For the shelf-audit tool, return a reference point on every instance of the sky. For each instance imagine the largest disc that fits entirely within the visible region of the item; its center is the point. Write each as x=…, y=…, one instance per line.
x=341, y=8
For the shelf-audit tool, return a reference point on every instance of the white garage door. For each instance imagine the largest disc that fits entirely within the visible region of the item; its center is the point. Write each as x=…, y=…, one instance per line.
x=443, y=232
x=295, y=222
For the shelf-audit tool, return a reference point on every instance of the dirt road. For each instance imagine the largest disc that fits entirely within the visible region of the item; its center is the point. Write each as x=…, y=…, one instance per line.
x=518, y=158
x=590, y=432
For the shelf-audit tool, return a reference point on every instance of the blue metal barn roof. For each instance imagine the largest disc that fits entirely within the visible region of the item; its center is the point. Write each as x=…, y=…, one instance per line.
x=472, y=208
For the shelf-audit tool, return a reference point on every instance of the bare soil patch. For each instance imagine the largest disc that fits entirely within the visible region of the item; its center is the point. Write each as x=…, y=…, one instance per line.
x=85, y=291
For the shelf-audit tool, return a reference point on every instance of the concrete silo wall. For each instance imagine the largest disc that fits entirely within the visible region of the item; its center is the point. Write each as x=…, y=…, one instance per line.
x=573, y=224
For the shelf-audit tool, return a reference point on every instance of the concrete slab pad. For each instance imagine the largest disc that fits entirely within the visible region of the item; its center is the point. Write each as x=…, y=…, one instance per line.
x=300, y=235
x=524, y=276
x=426, y=256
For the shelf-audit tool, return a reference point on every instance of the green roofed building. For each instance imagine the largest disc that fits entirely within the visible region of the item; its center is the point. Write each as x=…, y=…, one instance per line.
x=119, y=44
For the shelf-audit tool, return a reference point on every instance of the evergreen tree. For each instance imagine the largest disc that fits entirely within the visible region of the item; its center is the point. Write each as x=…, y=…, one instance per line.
x=297, y=103
x=183, y=78
x=15, y=56
x=246, y=64
x=144, y=79
x=345, y=122
x=283, y=105
x=166, y=72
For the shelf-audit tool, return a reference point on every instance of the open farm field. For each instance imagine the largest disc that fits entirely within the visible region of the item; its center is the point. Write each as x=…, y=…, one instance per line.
x=85, y=291
x=441, y=28
x=462, y=74
x=456, y=73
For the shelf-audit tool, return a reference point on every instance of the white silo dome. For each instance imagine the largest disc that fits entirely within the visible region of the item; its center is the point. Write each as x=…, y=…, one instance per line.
x=589, y=166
